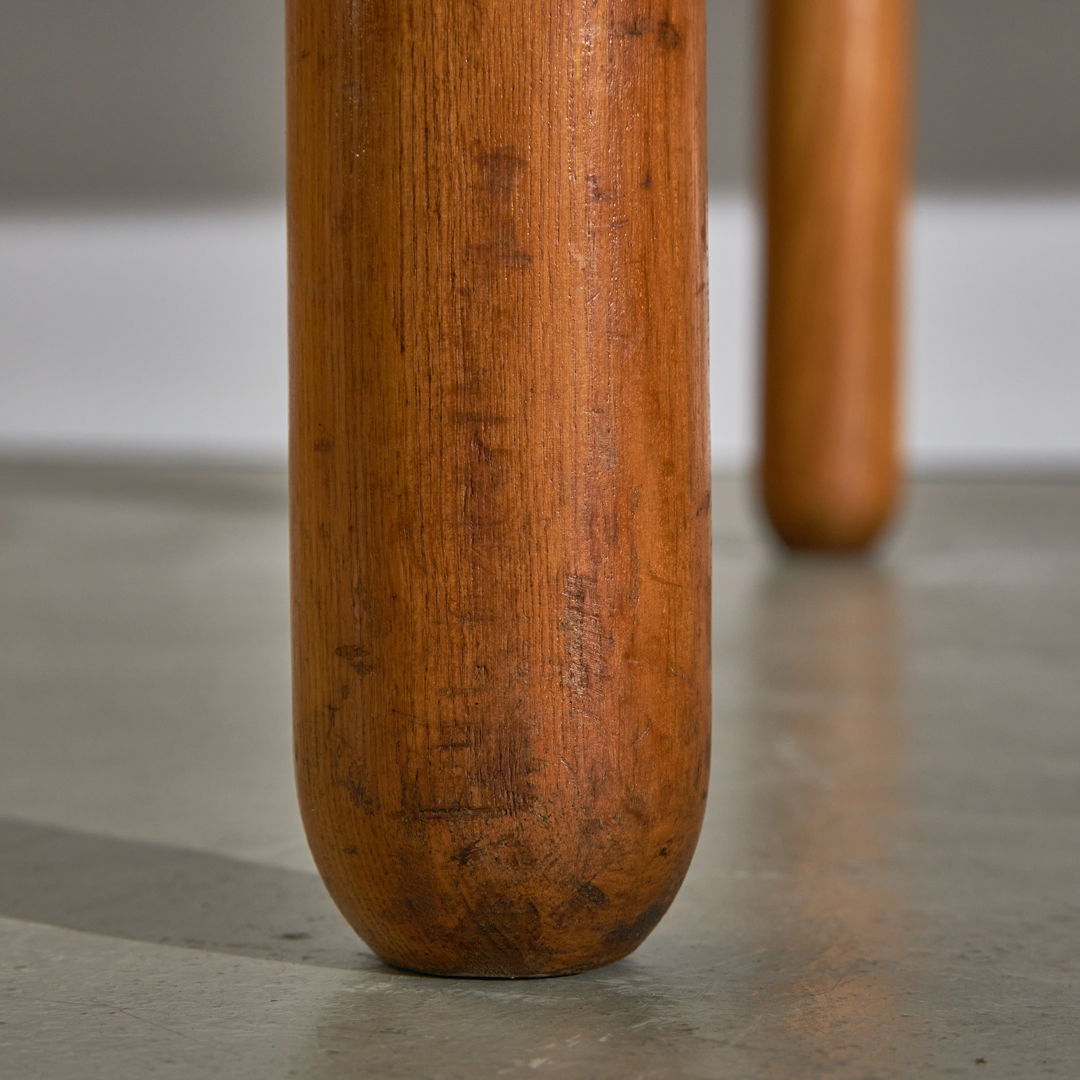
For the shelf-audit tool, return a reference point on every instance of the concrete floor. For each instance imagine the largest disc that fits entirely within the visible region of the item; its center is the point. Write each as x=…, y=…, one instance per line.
x=888, y=884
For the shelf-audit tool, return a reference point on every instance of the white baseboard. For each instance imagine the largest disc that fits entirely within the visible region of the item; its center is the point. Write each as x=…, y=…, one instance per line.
x=145, y=333
x=164, y=333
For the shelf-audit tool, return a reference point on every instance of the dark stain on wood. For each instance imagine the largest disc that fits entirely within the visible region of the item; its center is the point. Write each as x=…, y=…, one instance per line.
x=592, y=895
x=358, y=657
x=668, y=35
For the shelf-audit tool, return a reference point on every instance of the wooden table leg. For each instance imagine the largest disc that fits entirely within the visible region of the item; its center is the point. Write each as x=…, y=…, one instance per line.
x=834, y=183
x=500, y=474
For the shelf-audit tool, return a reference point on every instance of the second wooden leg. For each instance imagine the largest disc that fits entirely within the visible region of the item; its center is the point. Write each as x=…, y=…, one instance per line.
x=834, y=180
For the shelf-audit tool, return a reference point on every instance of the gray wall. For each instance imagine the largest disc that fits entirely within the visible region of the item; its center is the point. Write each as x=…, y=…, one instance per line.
x=109, y=101
x=118, y=101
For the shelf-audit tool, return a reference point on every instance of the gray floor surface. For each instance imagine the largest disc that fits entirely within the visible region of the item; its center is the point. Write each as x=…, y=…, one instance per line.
x=888, y=884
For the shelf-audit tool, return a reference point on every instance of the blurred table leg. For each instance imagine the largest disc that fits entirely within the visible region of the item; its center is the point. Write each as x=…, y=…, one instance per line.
x=834, y=188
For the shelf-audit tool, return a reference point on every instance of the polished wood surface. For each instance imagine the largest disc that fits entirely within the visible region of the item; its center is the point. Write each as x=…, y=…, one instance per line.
x=500, y=476
x=835, y=148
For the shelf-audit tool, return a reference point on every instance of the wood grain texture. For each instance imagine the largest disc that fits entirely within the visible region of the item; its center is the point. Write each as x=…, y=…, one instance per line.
x=835, y=148
x=499, y=466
